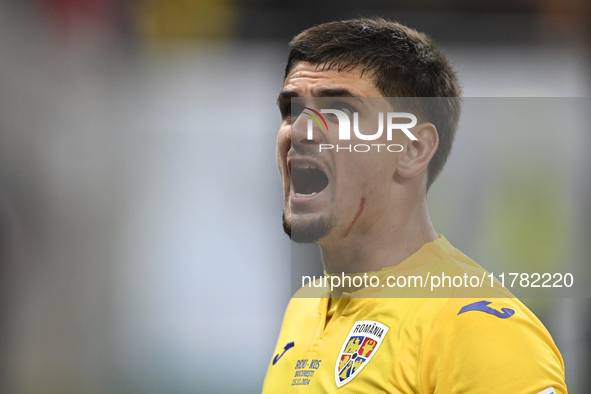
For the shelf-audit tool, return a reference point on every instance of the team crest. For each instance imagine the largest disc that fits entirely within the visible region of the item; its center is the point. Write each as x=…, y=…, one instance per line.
x=361, y=344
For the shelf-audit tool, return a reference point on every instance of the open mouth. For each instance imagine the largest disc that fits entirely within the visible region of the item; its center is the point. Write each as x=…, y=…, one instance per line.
x=307, y=180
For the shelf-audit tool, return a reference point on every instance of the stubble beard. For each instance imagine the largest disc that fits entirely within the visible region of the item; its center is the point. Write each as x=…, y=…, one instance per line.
x=310, y=231
x=307, y=231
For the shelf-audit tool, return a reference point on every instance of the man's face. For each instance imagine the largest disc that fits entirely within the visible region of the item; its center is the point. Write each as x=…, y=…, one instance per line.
x=329, y=194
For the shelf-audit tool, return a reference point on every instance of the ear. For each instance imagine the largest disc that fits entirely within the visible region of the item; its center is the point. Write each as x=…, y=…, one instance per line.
x=416, y=154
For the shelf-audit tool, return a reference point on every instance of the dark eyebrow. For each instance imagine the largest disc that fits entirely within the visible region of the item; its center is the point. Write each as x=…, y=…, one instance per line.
x=285, y=95
x=342, y=92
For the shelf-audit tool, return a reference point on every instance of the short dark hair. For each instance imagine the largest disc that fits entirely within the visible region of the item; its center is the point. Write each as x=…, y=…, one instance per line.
x=404, y=62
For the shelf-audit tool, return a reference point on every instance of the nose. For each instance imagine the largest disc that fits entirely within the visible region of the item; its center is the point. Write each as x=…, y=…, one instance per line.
x=305, y=130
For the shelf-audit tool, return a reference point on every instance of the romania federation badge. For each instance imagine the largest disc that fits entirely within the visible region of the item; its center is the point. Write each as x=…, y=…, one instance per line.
x=361, y=344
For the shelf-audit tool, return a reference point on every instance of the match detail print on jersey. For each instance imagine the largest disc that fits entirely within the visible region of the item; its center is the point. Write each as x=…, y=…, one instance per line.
x=359, y=347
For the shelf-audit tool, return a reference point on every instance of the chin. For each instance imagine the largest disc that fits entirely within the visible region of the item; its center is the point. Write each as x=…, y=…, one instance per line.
x=306, y=231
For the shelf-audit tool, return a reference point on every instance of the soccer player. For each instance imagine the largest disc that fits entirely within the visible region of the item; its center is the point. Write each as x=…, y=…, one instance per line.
x=368, y=212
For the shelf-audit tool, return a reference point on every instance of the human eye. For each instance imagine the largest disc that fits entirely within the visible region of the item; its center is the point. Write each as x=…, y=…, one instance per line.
x=295, y=110
x=344, y=107
x=284, y=108
x=290, y=110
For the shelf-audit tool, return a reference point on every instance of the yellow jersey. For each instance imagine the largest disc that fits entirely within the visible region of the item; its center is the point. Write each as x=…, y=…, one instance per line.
x=414, y=345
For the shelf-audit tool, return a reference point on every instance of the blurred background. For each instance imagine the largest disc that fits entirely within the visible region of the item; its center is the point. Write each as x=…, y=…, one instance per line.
x=141, y=248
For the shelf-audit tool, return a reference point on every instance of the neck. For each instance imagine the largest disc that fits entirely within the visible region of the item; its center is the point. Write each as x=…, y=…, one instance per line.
x=383, y=239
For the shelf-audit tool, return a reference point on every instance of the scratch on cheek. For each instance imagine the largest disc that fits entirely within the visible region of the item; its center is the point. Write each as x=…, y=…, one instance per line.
x=356, y=217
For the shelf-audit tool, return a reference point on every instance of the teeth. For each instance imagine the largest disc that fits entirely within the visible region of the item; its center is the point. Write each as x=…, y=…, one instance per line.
x=304, y=166
x=304, y=195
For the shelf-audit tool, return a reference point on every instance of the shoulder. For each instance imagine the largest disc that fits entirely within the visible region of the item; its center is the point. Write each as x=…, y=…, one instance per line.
x=491, y=345
x=483, y=339
x=491, y=315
